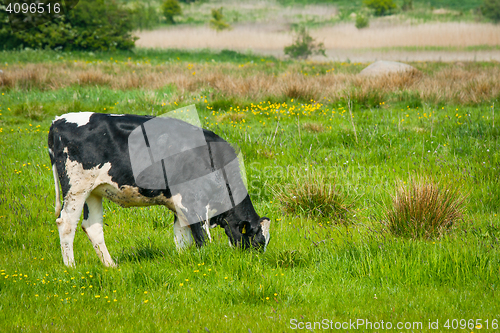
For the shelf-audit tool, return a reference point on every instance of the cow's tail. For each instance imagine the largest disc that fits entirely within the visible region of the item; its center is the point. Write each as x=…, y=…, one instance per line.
x=54, y=172
x=58, y=193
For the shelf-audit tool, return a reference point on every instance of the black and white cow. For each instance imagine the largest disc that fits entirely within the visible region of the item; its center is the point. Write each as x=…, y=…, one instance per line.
x=90, y=158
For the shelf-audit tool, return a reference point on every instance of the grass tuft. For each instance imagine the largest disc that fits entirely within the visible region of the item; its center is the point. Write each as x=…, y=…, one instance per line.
x=315, y=195
x=424, y=209
x=93, y=77
x=298, y=87
x=314, y=127
x=33, y=111
x=236, y=117
x=288, y=258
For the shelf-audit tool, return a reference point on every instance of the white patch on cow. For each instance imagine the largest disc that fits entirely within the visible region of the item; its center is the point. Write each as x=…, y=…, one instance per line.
x=177, y=200
x=266, y=225
x=93, y=227
x=116, y=115
x=83, y=182
x=211, y=213
x=180, y=209
x=79, y=118
x=206, y=223
x=183, y=236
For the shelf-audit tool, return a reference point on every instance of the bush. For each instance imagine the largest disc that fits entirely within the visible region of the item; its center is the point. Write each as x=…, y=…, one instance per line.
x=313, y=194
x=424, y=209
x=92, y=25
x=362, y=21
x=304, y=46
x=380, y=7
x=217, y=22
x=170, y=9
x=491, y=9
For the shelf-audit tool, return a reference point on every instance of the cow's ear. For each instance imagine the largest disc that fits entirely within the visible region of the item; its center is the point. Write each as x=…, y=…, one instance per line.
x=244, y=227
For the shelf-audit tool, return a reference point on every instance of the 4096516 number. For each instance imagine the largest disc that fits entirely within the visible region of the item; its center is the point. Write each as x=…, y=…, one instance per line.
x=33, y=8
x=471, y=324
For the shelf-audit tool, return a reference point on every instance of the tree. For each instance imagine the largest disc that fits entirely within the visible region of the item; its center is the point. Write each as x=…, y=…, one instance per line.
x=491, y=9
x=171, y=8
x=304, y=46
x=381, y=7
x=92, y=25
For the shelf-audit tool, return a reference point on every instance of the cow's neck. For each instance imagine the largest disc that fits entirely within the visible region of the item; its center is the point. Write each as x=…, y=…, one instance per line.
x=244, y=211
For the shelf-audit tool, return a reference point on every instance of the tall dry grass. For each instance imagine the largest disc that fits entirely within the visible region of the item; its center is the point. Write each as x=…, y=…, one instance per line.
x=470, y=84
x=264, y=36
x=456, y=34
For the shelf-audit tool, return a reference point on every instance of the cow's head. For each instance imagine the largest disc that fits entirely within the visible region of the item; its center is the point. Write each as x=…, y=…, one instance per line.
x=246, y=234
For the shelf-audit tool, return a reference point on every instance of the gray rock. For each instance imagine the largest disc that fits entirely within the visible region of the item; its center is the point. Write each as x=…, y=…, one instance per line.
x=383, y=67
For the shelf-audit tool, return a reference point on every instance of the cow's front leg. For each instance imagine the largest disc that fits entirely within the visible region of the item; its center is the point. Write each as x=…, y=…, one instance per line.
x=67, y=224
x=183, y=236
x=199, y=233
x=93, y=226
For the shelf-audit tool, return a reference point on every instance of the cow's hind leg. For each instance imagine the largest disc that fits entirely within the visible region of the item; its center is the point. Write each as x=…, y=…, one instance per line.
x=93, y=226
x=67, y=224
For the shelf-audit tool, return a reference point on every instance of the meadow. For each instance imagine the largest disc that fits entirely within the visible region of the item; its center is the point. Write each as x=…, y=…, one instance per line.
x=295, y=122
x=451, y=30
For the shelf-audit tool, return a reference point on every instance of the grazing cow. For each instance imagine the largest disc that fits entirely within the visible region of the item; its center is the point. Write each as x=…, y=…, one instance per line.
x=91, y=158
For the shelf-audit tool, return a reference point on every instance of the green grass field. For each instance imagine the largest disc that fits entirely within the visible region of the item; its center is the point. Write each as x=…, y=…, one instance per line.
x=314, y=269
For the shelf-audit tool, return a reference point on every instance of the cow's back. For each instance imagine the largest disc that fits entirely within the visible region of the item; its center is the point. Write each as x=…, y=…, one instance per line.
x=94, y=140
